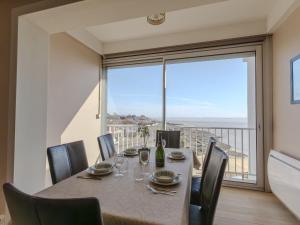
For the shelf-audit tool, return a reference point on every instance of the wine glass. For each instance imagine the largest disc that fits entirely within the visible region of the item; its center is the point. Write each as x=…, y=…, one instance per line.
x=163, y=143
x=119, y=160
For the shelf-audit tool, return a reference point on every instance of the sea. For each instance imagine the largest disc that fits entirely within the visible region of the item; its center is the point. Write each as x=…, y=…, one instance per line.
x=210, y=122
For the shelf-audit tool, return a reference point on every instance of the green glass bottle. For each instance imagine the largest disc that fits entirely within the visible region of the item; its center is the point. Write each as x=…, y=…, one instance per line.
x=160, y=154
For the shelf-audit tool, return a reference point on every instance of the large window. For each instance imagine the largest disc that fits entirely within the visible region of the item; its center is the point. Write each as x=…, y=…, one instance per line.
x=215, y=97
x=134, y=97
x=208, y=89
x=207, y=94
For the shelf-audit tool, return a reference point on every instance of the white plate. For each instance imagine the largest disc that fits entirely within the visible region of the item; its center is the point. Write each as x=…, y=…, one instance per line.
x=177, y=180
x=171, y=157
x=131, y=154
x=95, y=173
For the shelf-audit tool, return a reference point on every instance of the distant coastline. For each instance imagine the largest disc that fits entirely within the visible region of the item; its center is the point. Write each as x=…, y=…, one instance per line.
x=209, y=122
x=237, y=122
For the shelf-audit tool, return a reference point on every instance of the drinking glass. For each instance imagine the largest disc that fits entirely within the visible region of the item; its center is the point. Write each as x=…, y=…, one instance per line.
x=119, y=160
x=124, y=167
x=137, y=173
x=163, y=143
x=147, y=170
x=145, y=157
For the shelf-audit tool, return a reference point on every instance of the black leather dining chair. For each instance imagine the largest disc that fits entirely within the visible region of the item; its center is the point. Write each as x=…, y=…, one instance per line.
x=210, y=189
x=66, y=160
x=81, y=211
x=196, y=181
x=172, y=138
x=30, y=210
x=106, y=146
x=21, y=206
x=77, y=156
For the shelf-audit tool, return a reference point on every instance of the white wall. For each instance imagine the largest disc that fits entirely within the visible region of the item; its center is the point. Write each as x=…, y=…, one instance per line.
x=84, y=126
x=31, y=107
x=57, y=101
x=73, y=94
x=73, y=77
x=286, y=122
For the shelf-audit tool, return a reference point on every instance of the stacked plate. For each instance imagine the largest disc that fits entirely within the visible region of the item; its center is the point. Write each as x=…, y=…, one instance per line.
x=176, y=155
x=100, y=169
x=131, y=152
x=164, y=178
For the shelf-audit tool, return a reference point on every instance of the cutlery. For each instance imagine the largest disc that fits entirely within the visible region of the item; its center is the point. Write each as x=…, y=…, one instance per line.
x=174, y=161
x=164, y=190
x=158, y=192
x=89, y=178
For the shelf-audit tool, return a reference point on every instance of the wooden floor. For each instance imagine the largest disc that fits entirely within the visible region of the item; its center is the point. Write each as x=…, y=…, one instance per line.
x=243, y=207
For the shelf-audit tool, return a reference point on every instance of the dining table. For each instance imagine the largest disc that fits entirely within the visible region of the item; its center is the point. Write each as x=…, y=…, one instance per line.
x=125, y=201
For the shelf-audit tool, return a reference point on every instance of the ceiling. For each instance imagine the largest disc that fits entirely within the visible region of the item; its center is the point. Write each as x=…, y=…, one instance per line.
x=110, y=26
x=205, y=16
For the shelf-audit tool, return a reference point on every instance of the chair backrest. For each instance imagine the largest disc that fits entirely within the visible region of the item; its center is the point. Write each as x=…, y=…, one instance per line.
x=107, y=146
x=59, y=163
x=211, y=183
x=29, y=210
x=172, y=138
x=21, y=206
x=66, y=160
x=84, y=211
x=77, y=156
x=211, y=143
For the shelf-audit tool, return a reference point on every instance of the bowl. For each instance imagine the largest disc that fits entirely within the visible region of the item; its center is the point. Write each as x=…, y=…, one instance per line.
x=102, y=167
x=164, y=176
x=130, y=151
x=177, y=154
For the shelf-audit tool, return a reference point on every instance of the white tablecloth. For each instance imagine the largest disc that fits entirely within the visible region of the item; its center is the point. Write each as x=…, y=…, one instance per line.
x=124, y=201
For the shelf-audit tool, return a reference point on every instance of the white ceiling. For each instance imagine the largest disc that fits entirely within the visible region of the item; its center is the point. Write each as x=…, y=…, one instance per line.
x=109, y=26
x=204, y=16
x=86, y=13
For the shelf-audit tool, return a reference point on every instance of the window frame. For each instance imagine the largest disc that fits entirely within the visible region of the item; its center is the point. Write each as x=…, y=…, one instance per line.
x=238, y=50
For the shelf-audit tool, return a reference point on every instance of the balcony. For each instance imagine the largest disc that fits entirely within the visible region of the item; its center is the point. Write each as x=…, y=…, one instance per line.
x=239, y=143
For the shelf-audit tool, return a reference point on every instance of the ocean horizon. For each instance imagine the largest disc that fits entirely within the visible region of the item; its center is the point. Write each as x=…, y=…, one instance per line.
x=237, y=122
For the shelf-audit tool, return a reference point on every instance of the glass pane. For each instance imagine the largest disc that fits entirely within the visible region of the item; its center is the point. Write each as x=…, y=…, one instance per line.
x=215, y=97
x=134, y=97
x=296, y=80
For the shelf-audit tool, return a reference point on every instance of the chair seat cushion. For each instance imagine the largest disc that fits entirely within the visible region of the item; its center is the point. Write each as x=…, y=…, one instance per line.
x=195, y=191
x=195, y=215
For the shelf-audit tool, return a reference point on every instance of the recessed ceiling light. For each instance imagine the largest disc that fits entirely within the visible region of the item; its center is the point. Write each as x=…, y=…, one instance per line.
x=156, y=19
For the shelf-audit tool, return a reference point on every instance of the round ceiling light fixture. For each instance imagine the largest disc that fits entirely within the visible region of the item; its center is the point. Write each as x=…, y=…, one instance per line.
x=156, y=19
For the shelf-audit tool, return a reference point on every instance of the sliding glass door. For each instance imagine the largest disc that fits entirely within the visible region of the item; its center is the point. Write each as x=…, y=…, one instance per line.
x=215, y=96
x=203, y=94
x=134, y=97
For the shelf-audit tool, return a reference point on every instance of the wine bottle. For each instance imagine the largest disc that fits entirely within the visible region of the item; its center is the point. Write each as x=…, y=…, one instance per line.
x=160, y=154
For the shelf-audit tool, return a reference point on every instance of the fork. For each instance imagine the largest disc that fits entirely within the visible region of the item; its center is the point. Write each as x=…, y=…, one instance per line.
x=158, y=192
x=89, y=178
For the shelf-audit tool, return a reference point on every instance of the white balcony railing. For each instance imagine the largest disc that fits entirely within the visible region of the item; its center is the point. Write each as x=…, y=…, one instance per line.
x=239, y=143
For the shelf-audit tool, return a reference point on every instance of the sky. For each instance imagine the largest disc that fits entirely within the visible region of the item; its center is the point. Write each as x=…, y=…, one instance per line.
x=214, y=89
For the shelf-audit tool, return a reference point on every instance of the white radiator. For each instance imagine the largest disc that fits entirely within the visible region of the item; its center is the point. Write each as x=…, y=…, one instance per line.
x=284, y=178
